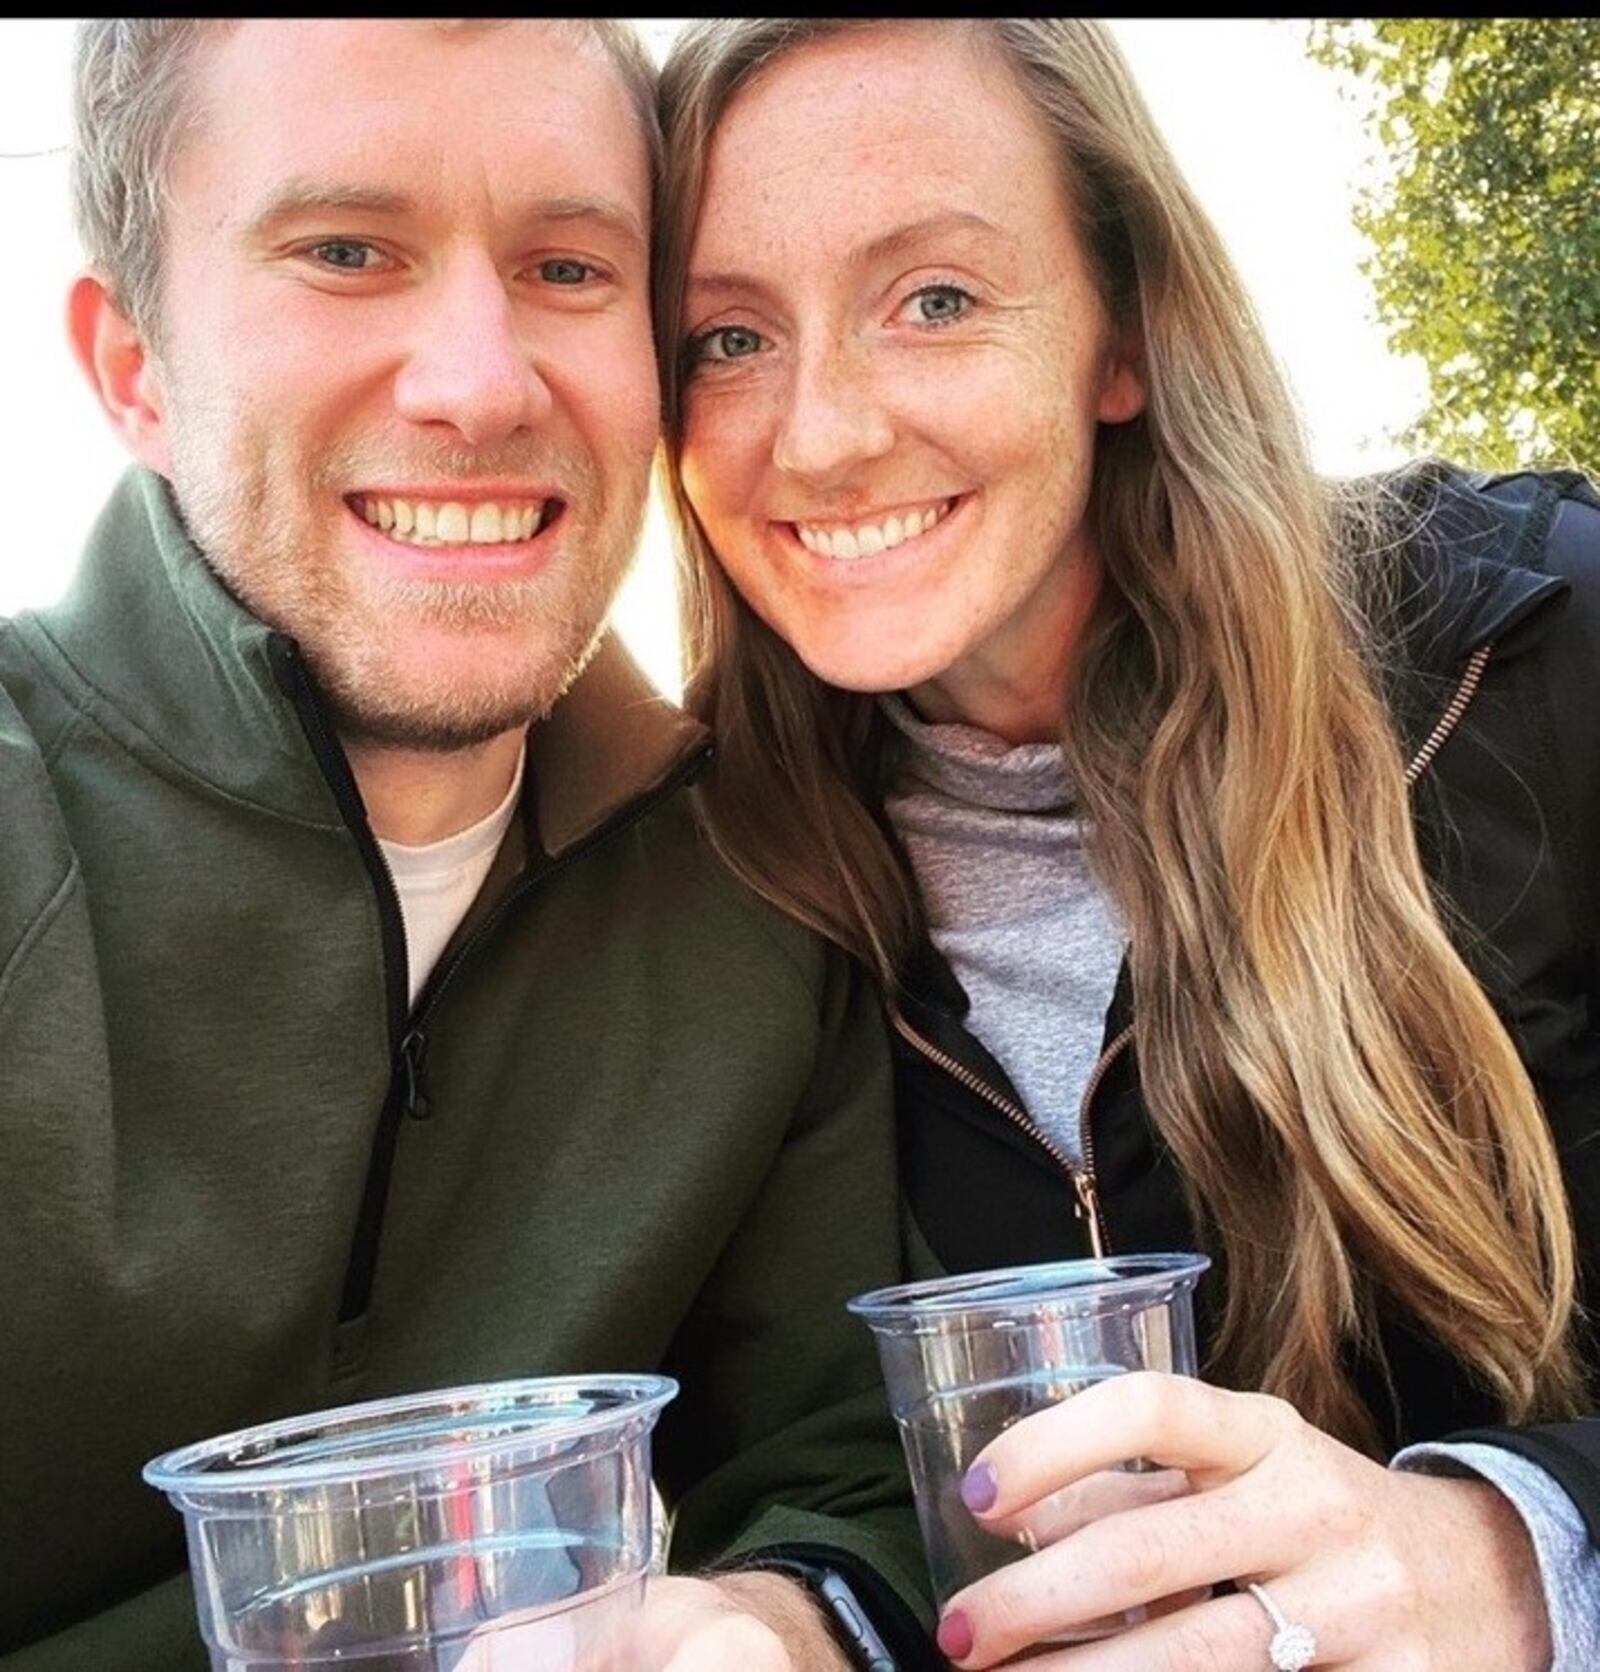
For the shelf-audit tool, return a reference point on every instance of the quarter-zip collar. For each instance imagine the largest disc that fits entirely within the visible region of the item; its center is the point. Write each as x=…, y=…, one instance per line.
x=178, y=670
x=610, y=740
x=184, y=675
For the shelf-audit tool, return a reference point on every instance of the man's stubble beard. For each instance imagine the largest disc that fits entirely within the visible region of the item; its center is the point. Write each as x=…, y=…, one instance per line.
x=236, y=511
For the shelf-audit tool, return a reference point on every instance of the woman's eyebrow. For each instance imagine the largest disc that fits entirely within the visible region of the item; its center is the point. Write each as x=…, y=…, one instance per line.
x=896, y=241
x=901, y=238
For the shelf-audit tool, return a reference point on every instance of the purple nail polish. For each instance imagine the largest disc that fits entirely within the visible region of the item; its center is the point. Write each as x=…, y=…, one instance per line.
x=955, y=1635
x=979, y=1488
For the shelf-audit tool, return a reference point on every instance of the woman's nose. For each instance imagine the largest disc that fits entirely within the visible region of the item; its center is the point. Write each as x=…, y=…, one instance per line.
x=835, y=420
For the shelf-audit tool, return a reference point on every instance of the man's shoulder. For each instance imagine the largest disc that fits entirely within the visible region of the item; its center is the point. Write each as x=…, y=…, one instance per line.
x=698, y=894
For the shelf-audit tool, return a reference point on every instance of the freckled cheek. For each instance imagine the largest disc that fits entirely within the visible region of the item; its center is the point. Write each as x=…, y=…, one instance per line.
x=726, y=449
x=1004, y=406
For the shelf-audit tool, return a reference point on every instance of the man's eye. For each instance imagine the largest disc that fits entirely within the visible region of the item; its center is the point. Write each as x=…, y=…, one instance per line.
x=349, y=255
x=565, y=270
x=726, y=342
x=939, y=304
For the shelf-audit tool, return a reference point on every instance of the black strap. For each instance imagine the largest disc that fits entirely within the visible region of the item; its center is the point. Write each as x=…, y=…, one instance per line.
x=856, y=1589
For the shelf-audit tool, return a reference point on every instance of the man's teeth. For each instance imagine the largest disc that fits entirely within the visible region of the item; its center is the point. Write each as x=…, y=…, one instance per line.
x=425, y=522
x=867, y=539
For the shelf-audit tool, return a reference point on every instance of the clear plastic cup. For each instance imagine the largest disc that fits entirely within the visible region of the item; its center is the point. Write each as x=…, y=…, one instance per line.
x=966, y=1357
x=501, y=1526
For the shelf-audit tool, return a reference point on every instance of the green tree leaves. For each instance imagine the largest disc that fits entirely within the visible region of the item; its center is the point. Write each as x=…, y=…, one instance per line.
x=1484, y=217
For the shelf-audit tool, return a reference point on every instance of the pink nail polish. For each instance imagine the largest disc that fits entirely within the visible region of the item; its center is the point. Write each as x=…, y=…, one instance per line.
x=955, y=1635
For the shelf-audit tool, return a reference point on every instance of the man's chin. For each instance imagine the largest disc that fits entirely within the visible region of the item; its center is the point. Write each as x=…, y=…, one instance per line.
x=429, y=734
x=442, y=721
x=442, y=716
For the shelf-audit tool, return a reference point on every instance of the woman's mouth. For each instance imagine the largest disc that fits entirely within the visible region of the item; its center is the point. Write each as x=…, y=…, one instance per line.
x=847, y=542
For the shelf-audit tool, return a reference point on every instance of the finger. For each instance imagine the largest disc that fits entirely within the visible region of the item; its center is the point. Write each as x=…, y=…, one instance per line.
x=1106, y=1492
x=1128, y=1561
x=1175, y=1422
x=1227, y=1632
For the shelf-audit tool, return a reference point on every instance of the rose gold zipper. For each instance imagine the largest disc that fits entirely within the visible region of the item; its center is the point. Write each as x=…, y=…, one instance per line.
x=1471, y=676
x=1085, y=1126
x=1083, y=1181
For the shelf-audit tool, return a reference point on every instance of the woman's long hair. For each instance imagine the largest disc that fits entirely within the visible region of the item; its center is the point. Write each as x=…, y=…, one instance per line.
x=1348, y=1111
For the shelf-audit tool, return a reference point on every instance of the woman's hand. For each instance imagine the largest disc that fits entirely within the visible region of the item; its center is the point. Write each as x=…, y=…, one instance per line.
x=1391, y=1571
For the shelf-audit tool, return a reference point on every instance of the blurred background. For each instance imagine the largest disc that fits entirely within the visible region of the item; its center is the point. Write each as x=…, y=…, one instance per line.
x=1410, y=202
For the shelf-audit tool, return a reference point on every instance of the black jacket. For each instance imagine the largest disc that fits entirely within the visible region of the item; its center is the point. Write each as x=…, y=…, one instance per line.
x=1496, y=695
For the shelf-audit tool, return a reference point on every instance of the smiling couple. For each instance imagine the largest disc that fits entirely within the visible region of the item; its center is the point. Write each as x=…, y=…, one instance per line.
x=1087, y=830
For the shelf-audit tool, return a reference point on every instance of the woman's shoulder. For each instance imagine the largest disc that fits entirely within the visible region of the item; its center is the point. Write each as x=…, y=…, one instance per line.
x=1445, y=559
x=1444, y=517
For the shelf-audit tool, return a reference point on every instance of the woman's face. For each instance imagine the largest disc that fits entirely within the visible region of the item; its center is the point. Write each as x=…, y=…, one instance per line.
x=899, y=361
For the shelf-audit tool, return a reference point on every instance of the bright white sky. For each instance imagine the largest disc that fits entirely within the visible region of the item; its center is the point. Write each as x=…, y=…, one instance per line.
x=1272, y=150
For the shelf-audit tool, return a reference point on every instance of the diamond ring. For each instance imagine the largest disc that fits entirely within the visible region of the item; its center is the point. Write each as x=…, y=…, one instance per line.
x=1293, y=1647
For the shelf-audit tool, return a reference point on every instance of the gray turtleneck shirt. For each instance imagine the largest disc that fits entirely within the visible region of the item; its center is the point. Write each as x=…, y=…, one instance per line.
x=997, y=847
x=998, y=851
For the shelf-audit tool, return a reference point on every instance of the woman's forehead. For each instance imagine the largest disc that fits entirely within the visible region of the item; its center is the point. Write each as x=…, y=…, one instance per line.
x=892, y=125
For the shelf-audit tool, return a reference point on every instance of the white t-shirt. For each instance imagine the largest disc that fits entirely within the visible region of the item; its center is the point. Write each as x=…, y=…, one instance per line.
x=438, y=881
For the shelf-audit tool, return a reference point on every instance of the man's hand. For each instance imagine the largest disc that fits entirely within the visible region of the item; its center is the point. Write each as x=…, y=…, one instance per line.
x=738, y=1622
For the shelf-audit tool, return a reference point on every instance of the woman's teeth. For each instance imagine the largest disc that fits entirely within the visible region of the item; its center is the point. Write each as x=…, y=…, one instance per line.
x=866, y=539
x=447, y=522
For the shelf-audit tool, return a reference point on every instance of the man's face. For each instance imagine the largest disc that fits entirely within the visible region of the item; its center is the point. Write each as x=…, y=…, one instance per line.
x=408, y=391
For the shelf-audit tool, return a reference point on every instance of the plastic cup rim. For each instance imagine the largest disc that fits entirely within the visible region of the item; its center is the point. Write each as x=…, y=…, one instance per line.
x=205, y=1467
x=1013, y=1289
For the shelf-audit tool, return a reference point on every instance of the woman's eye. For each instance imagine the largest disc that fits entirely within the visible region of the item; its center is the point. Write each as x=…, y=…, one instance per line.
x=938, y=304
x=566, y=270
x=348, y=255
x=726, y=342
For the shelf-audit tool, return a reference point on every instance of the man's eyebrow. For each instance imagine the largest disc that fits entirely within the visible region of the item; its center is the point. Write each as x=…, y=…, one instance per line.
x=299, y=197
x=896, y=241
x=604, y=211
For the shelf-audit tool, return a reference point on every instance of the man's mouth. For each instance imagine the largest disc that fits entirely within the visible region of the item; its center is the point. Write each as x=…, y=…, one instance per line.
x=454, y=522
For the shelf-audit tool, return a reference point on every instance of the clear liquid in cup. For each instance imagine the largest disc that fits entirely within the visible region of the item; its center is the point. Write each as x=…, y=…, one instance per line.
x=942, y=1437
x=437, y=1614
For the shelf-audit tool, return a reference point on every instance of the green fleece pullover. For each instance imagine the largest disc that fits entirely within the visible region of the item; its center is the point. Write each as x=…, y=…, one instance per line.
x=636, y=1120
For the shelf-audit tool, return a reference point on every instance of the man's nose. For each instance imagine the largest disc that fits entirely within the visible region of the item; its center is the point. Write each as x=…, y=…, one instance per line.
x=472, y=364
x=836, y=417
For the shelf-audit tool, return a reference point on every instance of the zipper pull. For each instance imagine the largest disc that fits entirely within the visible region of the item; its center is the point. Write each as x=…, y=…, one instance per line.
x=417, y=1105
x=1088, y=1209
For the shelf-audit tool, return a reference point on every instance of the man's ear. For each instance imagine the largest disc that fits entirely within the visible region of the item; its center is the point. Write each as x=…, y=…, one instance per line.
x=120, y=370
x=1122, y=387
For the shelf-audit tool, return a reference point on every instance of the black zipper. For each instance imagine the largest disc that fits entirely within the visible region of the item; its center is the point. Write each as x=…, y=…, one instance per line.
x=407, y=1093
x=294, y=680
